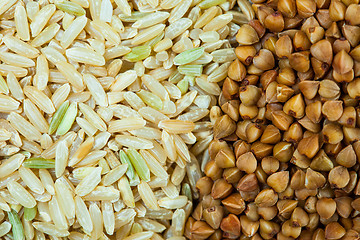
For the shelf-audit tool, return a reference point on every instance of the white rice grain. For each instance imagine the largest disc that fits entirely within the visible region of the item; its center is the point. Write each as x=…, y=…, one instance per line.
x=22, y=25
x=86, y=56
x=71, y=74
x=147, y=195
x=83, y=215
x=21, y=195
x=107, y=31
x=47, y=181
x=133, y=142
x=148, y=34
x=96, y=90
x=31, y=180
x=97, y=220
x=126, y=124
x=61, y=158
x=60, y=95
x=14, y=86
x=92, y=158
x=57, y=214
x=86, y=126
x=108, y=216
x=4, y=228
x=101, y=193
x=42, y=72
x=8, y=103
x=11, y=164
x=16, y=60
x=126, y=192
x=35, y=116
x=39, y=99
x=92, y=117
x=50, y=229
x=124, y=80
x=173, y=203
x=124, y=6
x=73, y=31
x=41, y=18
x=24, y=127
x=155, y=167
x=89, y=182
x=53, y=55
x=65, y=198
x=46, y=35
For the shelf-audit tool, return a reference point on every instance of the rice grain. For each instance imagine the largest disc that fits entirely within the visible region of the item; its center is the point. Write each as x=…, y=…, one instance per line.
x=92, y=117
x=96, y=90
x=65, y=198
x=41, y=18
x=11, y=164
x=8, y=103
x=70, y=73
x=101, y=193
x=21, y=195
x=57, y=214
x=31, y=180
x=5, y=227
x=148, y=196
x=83, y=215
x=108, y=216
x=46, y=35
x=50, y=229
x=47, y=181
x=14, y=86
x=40, y=99
x=83, y=55
x=24, y=127
x=35, y=116
x=73, y=31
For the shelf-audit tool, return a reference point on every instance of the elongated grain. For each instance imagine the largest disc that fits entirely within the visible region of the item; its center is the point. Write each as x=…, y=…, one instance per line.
x=21, y=195
x=65, y=198
x=83, y=215
x=92, y=117
x=31, y=180
x=8, y=103
x=57, y=214
x=24, y=127
x=41, y=18
x=96, y=90
x=71, y=74
x=14, y=86
x=86, y=56
x=114, y=175
x=50, y=229
x=21, y=22
x=73, y=31
x=147, y=195
x=35, y=116
x=40, y=99
x=47, y=181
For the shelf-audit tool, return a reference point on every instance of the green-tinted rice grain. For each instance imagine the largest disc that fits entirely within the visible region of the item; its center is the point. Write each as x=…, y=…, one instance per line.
x=68, y=119
x=30, y=213
x=38, y=162
x=17, y=227
x=139, y=164
x=188, y=56
x=125, y=159
x=58, y=116
x=71, y=8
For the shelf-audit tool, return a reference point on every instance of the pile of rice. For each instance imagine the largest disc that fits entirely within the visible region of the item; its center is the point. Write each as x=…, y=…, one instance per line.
x=106, y=110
